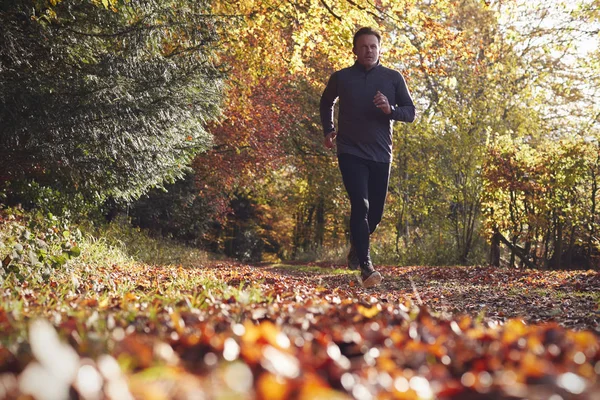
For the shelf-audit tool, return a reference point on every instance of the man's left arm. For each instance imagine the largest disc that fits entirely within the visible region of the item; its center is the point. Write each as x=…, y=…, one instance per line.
x=404, y=109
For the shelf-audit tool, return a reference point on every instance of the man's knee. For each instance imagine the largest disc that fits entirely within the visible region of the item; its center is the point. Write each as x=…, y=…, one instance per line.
x=360, y=208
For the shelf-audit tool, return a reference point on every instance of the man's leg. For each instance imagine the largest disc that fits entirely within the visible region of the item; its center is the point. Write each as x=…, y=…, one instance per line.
x=355, y=174
x=379, y=177
x=352, y=260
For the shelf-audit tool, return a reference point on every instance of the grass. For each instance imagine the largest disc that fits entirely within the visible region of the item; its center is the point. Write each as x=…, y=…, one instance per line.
x=93, y=309
x=121, y=242
x=311, y=269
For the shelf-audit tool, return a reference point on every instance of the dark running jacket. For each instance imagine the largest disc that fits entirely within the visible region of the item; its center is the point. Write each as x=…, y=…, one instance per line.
x=363, y=129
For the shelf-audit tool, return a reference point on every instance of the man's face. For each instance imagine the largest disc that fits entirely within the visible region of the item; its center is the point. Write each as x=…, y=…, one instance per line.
x=367, y=50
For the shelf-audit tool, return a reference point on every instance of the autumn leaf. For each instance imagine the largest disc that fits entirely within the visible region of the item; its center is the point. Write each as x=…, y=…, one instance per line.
x=322, y=338
x=368, y=312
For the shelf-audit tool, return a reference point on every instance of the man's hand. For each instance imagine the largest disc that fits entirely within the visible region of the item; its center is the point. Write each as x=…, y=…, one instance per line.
x=329, y=138
x=382, y=102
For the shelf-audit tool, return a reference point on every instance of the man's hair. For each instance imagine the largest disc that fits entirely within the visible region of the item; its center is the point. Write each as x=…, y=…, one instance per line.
x=365, y=31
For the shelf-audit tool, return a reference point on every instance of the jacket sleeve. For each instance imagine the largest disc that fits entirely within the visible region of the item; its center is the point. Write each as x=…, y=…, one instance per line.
x=328, y=98
x=405, y=108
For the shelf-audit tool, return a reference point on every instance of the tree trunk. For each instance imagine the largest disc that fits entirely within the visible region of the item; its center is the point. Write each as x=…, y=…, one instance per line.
x=570, y=249
x=547, y=248
x=558, y=248
x=320, y=223
x=592, y=224
x=527, y=249
x=513, y=245
x=307, y=243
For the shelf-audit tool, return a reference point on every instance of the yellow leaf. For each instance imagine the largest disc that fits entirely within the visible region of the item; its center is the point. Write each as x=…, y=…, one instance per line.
x=103, y=304
x=314, y=388
x=368, y=312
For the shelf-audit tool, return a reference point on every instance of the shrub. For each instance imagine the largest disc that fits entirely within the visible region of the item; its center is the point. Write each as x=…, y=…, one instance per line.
x=33, y=245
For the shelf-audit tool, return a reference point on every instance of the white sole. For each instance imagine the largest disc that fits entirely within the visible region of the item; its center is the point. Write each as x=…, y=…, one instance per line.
x=373, y=280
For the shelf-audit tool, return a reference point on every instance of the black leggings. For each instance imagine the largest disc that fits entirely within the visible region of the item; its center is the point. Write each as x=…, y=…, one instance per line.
x=366, y=182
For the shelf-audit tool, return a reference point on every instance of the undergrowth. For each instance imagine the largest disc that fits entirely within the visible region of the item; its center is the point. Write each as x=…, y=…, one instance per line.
x=35, y=246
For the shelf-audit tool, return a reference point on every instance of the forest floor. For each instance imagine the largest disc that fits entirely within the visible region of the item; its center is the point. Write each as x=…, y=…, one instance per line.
x=229, y=331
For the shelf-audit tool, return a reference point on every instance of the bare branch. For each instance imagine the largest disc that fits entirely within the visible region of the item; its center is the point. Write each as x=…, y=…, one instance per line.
x=330, y=10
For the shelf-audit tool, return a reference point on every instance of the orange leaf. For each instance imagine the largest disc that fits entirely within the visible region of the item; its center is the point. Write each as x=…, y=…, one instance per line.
x=178, y=322
x=272, y=387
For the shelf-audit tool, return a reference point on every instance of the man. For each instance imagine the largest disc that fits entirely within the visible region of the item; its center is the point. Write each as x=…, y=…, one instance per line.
x=371, y=98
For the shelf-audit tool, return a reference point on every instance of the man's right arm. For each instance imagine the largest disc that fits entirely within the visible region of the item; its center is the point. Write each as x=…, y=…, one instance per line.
x=328, y=98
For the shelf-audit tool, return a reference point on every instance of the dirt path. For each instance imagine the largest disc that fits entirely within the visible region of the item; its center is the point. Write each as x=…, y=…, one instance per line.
x=569, y=298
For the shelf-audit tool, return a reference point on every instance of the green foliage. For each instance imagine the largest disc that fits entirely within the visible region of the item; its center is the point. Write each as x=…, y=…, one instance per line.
x=179, y=212
x=47, y=200
x=435, y=188
x=246, y=234
x=105, y=98
x=35, y=246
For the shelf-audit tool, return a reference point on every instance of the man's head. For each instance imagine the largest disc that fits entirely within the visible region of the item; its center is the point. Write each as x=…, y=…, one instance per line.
x=366, y=46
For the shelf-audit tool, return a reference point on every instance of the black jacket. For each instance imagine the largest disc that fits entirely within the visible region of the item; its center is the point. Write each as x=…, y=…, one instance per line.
x=363, y=129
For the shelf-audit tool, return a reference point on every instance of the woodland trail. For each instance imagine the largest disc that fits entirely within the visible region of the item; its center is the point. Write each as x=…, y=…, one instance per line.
x=569, y=298
x=308, y=331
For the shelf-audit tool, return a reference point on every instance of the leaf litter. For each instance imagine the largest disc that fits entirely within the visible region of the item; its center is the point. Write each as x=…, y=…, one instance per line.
x=277, y=332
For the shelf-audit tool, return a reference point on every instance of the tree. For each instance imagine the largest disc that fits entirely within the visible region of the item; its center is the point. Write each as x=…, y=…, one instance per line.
x=515, y=75
x=543, y=183
x=282, y=55
x=457, y=68
x=541, y=201
x=105, y=98
x=176, y=211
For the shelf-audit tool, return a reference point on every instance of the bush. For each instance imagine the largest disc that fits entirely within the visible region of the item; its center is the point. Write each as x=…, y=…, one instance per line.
x=34, y=246
x=31, y=195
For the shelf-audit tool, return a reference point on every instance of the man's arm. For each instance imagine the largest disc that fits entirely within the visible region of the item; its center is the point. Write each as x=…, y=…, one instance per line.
x=404, y=109
x=328, y=98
